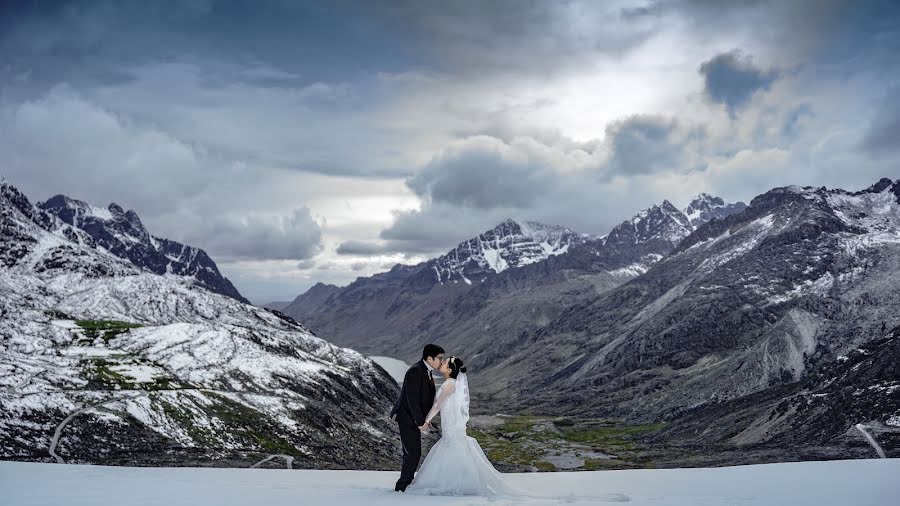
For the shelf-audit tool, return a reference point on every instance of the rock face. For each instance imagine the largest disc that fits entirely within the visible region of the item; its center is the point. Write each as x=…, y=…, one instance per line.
x=122, y=234
x=102, y=361
x=823, y=408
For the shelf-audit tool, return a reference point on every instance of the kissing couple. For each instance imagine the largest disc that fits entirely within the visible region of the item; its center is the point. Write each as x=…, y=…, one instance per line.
x=456, y=464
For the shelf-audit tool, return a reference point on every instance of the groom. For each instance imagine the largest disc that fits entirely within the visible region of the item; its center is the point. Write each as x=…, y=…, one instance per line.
x=411, y=408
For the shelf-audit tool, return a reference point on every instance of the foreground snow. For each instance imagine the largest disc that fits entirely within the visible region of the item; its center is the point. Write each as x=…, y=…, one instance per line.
x=843, y=482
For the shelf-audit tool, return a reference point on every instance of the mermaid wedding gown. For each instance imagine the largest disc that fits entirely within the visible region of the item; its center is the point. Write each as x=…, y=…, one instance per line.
x=456, y=464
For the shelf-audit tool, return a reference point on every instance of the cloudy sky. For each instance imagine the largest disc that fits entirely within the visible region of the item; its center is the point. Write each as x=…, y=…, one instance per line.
x=320, y=141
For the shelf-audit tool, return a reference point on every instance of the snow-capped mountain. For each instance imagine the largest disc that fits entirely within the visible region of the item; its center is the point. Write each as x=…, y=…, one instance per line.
x=705, y=207
x=102, y=361
x=508, y=245
x=122, y=234
x=661, y=223
x=490, y=288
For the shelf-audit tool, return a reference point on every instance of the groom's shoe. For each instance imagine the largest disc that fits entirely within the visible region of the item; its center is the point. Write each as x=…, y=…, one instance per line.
x=399, y=488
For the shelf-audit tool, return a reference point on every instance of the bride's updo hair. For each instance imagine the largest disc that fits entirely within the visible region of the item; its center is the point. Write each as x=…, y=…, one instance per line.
x=456, y=366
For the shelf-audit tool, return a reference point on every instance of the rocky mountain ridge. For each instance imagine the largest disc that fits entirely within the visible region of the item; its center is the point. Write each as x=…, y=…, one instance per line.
x=123, y=234
x=443, y=298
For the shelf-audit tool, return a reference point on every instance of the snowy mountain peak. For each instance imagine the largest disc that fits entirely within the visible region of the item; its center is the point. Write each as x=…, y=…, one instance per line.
x=885, y=184
x=823, y=194
x=81, y=214
x=122, y=234
x=11, y=195
x=702, y=202
x=666, y=225
x=509, y=244
x=660, y=222
x=705, y=207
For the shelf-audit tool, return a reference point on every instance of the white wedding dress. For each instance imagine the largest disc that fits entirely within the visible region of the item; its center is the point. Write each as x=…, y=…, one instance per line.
x=456, y=464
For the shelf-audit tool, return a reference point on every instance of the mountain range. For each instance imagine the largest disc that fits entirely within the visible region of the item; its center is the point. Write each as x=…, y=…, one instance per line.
x=491, y=280
x=686, y=316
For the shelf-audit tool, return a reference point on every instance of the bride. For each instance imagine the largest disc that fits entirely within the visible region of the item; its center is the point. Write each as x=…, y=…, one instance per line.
x=456, y=464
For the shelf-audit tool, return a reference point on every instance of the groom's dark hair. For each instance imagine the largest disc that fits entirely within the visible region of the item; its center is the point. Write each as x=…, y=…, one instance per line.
x=431, y=350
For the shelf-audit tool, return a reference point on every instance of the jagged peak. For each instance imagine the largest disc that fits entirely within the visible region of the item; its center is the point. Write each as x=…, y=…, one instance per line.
x=812, y=191
x=664, y=207
x=15, y=197
x=8, y=188
x=704, y=199
x=508, y=223
x=882, y=185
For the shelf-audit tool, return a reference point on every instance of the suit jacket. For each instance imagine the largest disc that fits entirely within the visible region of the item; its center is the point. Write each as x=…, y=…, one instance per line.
x=416, y=396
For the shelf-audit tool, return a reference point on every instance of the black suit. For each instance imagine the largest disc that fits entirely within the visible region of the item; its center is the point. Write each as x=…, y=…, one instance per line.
x=411, y=408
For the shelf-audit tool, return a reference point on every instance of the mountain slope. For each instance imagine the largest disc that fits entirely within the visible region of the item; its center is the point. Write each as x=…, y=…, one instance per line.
x=742, y=306
x=104, y=362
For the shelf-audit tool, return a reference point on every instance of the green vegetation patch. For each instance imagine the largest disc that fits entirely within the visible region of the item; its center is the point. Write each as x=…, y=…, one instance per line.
x=100, y=376
x=204, y=436
x=499, y=449
x=250, y=425
x=526, y=440
x=613, y=438
x=107, y=329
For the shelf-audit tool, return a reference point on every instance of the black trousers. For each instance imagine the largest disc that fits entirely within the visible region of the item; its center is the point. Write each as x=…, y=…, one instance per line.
x=411, y=439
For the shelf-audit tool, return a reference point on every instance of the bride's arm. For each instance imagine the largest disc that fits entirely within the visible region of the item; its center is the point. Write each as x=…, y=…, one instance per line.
x=446, y=391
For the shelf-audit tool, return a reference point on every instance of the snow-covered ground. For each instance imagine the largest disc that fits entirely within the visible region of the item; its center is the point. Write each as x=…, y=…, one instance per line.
x=843, y=482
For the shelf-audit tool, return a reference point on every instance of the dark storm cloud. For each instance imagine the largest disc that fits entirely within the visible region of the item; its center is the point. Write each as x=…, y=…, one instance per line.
x=85, y=40
x=794, y=119
x=647, y=144
x=883, y=134
x=66, y=144
x=732, y=79
x=361, y=248
x=481, y=173
x=477, y=183
x=437, y=227
x=306, y=264
x=514, y=36
x=208, y=102
x=297, y=236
